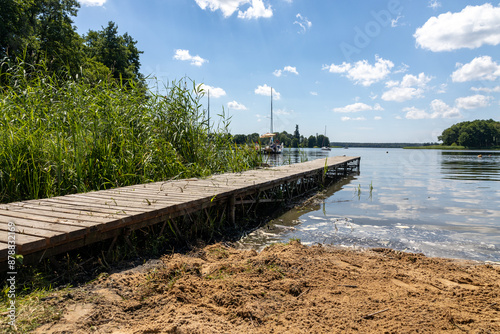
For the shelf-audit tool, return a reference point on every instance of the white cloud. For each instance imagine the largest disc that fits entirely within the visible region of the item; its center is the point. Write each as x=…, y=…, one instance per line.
x=415, y=113
x=363, y=72
x=345, y=118
x=402, y=69
x=442, y=110
x=442, y=88
x=215, y=92
x=266, y=91
x=439, y=109
x=411, y=87
x=394, y=22
x=228, y=7
x=377, y=118
x=290, y=69
x=314, y=93
x=486, y=89
x=303, y=22
x=473, y=102
x=471, y=28
x=434, y=4
x=410, y=80
x=480, y=68
x=236, y=106
x=92, y=2
x=401, y=94
x=184, y=55
x=256, y=10
x=358, y=106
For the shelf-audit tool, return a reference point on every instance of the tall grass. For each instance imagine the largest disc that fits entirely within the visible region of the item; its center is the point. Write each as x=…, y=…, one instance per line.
x=65, y=135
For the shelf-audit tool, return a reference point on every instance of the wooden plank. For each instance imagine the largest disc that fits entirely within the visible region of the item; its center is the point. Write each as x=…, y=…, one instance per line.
x=71, y=230
x=56, y=214
x=91, y=204
x=83, y=209
x=47, y=206
x=51, y=237
x=24, y=243
x=30, y=216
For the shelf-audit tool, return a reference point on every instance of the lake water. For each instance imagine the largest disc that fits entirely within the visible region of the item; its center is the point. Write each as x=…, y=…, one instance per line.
x=435, y=202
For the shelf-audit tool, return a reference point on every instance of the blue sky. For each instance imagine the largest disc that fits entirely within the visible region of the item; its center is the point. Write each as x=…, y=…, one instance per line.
x=370, y=71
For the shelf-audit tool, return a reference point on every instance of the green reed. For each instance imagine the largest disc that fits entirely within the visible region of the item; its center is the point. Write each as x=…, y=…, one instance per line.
x=66, y=135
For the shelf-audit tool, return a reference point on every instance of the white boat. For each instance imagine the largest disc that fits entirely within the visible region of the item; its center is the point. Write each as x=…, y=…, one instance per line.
x=273, y=147
x=325, y=148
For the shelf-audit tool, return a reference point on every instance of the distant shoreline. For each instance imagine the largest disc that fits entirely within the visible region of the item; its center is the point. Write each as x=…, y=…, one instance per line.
x=415, y=146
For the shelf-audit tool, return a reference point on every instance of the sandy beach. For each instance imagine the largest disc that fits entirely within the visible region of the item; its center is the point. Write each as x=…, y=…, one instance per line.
x=287, y=288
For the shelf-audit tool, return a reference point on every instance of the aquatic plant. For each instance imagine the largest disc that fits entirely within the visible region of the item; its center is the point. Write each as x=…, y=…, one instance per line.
x=61, y=135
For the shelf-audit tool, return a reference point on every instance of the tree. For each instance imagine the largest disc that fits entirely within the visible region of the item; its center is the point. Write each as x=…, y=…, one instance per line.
x=477, y=134
x=118, y=52
x=296, y=133
x=311, y=141
x=59, y=43
x=41, y=30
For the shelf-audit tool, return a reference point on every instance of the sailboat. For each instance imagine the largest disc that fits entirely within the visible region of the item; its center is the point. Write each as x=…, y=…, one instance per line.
x=273, y=147
x=325, y=148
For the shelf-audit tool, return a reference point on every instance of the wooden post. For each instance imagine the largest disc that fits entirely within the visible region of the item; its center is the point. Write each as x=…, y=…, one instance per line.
x=232, y=209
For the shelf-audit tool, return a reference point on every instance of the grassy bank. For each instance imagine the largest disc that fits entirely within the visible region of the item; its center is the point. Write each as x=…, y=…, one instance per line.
x=435, y=147
x=452, y=147
x=60, y=136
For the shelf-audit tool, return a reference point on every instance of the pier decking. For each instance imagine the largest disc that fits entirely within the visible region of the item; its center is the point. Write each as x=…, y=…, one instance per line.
x=46, y=227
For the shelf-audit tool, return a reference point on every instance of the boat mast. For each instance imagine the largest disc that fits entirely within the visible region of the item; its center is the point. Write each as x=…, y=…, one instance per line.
x=271, y=109
x=209, y=111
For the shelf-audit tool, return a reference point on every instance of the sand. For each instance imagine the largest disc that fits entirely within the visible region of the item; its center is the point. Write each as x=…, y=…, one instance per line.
x=289, y=288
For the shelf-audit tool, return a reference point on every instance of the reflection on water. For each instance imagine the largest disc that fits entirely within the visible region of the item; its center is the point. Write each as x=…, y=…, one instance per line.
x=471, y=165
x=440, y=203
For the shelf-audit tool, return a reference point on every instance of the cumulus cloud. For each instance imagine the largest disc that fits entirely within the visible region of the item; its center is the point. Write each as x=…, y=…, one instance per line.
x=358, y=106
x=438, y=109
x=236, y=106
x=486, y=89
x=289, y=69
x=92, y=2
x=215, y=92
x=185, y=56
x=303, y=23
x=266, y=91
x=480, y=68
x=256, y=10
x=401, y=94
x=314, y=93
x=471, y=28
x=363, y=72
x=409, y=88
x=473, y=102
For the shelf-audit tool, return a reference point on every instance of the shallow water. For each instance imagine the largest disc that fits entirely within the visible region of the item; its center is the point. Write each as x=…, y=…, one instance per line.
x=440, y=203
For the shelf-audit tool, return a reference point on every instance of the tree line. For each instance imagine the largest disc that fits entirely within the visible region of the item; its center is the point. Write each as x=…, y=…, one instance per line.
x=472, y=134
x=42, y=32
x=294, y=139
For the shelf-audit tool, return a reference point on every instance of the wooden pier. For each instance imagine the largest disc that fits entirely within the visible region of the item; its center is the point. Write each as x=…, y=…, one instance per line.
x=46, y=227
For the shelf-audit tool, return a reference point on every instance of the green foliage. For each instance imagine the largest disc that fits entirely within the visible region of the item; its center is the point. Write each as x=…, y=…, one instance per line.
x=61, y=136
x=474, y=134
x=287, y=139
x=118, y=53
